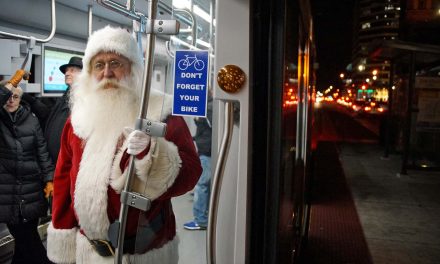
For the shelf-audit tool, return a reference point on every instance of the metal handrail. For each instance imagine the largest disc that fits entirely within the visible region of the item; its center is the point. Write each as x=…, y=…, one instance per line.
x=192, y=29
x=124, y=10
x=130, y=12
x=130, y=5
x=29, y=38
x=129, y=8
x=217, y=180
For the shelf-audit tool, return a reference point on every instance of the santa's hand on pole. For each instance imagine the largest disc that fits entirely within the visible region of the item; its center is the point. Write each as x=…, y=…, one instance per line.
x=137, y=141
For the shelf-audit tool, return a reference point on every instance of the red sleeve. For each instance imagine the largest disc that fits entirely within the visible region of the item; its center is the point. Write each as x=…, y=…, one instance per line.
x=191, y=169
x=63, y=216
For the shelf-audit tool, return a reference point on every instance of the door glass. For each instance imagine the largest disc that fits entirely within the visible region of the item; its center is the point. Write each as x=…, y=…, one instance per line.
x=297, y=94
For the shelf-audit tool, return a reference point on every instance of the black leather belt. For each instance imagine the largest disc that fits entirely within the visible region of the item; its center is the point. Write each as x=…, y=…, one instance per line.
x=146, y=234
x=102, y=247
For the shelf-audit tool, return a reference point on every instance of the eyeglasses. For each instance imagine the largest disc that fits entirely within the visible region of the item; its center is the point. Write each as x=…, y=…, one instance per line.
x=14, y=97
x=113, y=65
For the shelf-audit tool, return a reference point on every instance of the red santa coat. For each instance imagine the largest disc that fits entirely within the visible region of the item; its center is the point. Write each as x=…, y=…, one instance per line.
x=170, y=167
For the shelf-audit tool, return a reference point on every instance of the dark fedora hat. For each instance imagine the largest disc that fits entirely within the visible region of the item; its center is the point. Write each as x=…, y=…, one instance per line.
x=74, y=61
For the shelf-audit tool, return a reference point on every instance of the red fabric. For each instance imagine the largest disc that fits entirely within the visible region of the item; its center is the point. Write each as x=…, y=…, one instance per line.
x=63, y=214
x=71, y=149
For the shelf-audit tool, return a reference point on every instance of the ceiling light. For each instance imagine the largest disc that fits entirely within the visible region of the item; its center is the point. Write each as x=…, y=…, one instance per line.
x=198, y=11
x=182, y=4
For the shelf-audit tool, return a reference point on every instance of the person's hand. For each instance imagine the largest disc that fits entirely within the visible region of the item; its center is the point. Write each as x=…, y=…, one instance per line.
x=9, y=86
x=48, y=190
x=18, y=76
x=137, y=141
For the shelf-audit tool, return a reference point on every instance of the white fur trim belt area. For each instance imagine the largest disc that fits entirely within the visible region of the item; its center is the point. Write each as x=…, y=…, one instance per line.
x=61, y=246
x=86, y=254
x=138, y=244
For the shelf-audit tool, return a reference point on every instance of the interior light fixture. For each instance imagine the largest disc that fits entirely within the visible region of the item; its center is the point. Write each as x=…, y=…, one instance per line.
x=180, y=4
x=201, y=13
x=183, y=43
x=200, y=42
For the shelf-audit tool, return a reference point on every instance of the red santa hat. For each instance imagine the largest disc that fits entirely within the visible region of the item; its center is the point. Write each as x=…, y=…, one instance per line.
x=111, y=39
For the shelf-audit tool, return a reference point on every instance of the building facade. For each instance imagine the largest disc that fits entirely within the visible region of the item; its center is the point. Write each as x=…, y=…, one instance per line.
x=373, y=20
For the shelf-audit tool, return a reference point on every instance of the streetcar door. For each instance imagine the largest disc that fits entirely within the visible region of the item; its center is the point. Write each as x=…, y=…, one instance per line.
x=222, y=28
x=260, y=74
x=227, y=234
x=262, y=94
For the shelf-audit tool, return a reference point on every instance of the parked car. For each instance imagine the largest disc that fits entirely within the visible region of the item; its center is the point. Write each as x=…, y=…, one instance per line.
x=381, y=108
x=369, y=107
x=360, y=106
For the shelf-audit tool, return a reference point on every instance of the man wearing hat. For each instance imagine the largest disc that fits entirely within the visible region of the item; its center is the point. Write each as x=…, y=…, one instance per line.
x=53, y=115
x=96, y=145
x=71, y=69
x=59, y=113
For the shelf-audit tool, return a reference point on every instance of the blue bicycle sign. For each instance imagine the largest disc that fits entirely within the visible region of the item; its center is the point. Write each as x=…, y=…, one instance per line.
x=190, y=86
x=183, y=64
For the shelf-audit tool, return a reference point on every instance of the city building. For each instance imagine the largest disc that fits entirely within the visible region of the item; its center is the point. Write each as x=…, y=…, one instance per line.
x=373, y=20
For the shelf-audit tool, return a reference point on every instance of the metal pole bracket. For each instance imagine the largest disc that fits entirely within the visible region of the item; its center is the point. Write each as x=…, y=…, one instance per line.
x=162, y=27
x=152, y=128
x=135, y=200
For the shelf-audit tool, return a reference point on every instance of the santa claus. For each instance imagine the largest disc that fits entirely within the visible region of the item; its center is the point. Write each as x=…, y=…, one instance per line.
x=95, y=148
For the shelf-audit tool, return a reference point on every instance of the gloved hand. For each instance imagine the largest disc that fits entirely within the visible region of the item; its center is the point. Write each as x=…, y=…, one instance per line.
x=137, y=141
x=18, y=76
x=48, y=190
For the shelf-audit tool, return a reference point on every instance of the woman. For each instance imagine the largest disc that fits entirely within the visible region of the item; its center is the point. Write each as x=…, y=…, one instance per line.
x=25, y=170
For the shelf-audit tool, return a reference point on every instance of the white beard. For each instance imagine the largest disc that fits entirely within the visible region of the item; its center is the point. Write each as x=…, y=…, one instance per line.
x=99, y=112
x=98, y=117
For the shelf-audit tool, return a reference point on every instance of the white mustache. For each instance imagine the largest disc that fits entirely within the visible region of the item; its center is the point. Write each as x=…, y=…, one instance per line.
x=108, y=83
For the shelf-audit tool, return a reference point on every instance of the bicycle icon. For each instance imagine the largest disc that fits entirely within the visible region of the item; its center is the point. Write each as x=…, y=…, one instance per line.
x=183, y=64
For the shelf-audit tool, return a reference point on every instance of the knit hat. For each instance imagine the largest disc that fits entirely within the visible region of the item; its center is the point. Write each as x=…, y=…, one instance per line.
x=111, y=39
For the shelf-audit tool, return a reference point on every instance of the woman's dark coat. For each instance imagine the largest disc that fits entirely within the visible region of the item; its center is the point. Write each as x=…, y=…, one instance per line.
x=25, y=167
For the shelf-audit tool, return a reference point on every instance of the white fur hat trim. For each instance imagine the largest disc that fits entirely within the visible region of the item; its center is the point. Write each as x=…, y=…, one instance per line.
x=112, y=39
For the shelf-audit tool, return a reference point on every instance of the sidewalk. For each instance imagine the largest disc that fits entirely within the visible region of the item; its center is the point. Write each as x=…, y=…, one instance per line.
x=335, y=233
x=400, y=214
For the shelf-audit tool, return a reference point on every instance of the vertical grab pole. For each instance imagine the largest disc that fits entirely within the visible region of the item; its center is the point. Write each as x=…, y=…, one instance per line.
x=146, y=82
x=217, y=183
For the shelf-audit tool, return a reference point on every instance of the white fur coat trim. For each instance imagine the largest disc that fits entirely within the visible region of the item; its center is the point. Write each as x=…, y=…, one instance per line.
x=61, y=246
x=159, y=106
x=96, y=168
x=155, y=173
x=85, y=254
x=111, y=39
